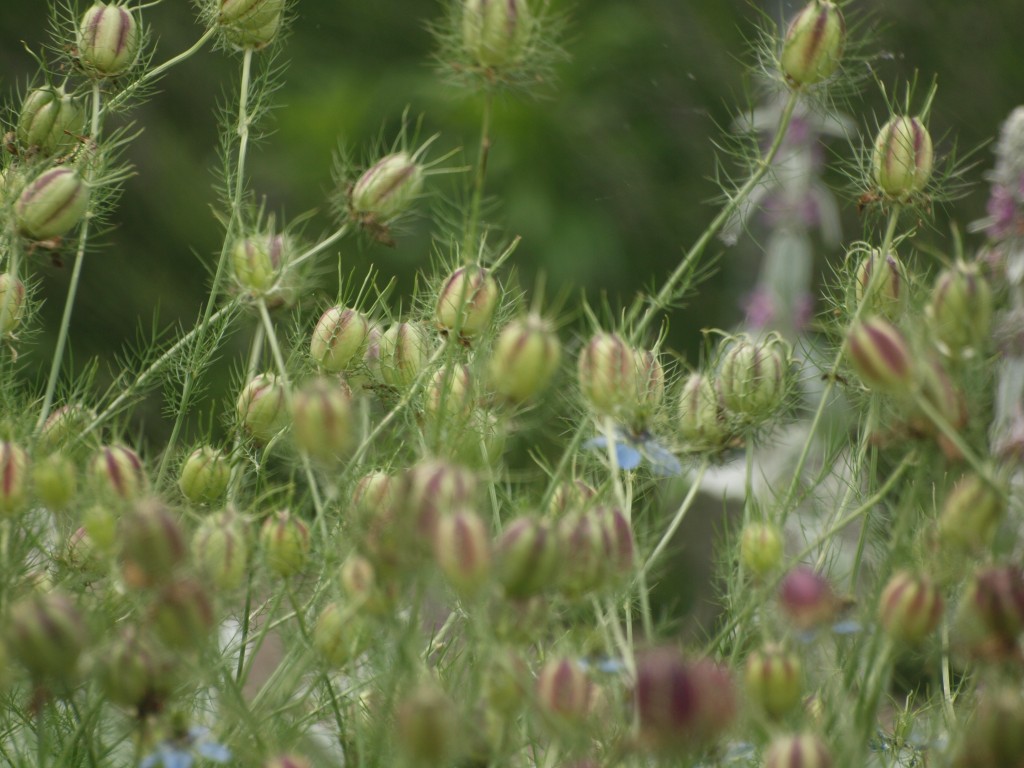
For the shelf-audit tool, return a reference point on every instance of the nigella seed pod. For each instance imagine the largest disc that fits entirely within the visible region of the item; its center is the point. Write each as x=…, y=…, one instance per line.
x=961, y=308
x=286, y=543
x=204, y=476
x=879, y=286
x=220, y=549
x=991, y=613
x=681, y=705
x=752, y=378
x=527, y=557
x=258, y=260
x=701, y=412
x=387, y=189
x=761, y=548
x=50, y=121
x=449, y=395
x=994, y=736
x=135, y=672
x=525, y=357
x=814, y=42
x=565, y=692
x=803, y=750
x=880, y=355
x=117, y=474
x=617, y=537
x=581, y=543
x=262, y=407
x=570, y=495
x=462, y=549
x=427, y=725
x=12, y=303
x=467, y=301
x=108, y=40
x=374, y=490
x=910, y=607
x=55, y=480
x=322, y=424
x=152, y=544
x=100, y=522
x=51, y=204
x=608, y=375
x=46, y=633
x=650, y=380
x=14, y=473
x=774, y=680
x=901, y=163
x=182, y=615
x=432, y=488
x=495, y=32
x=971, y=514
x=338, y=635
x=251, y=23
x=63, y=428
x=358, y=579
x=404, y=351
x=807, y=598
x=340, y=336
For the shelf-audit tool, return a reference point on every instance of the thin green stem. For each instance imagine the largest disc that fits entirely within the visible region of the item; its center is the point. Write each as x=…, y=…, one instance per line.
x=473, y=222
x=677, y=519
x=668, y=292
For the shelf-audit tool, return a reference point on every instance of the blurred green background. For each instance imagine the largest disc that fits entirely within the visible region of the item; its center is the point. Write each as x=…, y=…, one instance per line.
x=605, y=176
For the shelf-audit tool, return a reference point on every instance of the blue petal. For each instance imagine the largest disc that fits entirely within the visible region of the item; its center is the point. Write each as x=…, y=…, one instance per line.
x=176, y=758
x=847, y=627
x=611, y=666
x=599, y=443
x=663, y=461
x=211, y=750
x=627, y=456
x=150, y=761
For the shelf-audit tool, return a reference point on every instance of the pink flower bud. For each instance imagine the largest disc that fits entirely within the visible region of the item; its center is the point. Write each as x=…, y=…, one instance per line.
x=807, y=598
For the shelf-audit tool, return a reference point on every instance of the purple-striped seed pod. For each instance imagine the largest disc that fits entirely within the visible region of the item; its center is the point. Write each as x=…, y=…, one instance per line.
x=433, y=488
x=262, y=407
x=617, y=537
x=608, y=375
x=971, y=514
x=570, y=495
x=565, y=692
x=12, y=303
x=134, y=671
x=467, y=301
x=803, y=750
x=427, y=725
x=462, y=549
x=50, y=121
x=807, y=598
x=761, y=548
x=338, y=635
x=583, y=555
x=340, y=336
x=152, y=544
x=46, y=633
x=880, y=355
x=774, y=680
x=814, y=42
x=116, y=472
x=204, y=475
x=961, y=308
x=322, y=421
x=108, y=40
x=182, y=614
x=51, y=204
x=991, y=613
x=910, y=607
x=527, y=557
x=14, y=469
x=220, y=549
x=405, y=349
x=901, y=163
x=387, y=188
x=701, y=412
x=286, y=543
x=752, y=376
x=879, y=285
x=449, y=394
x=495, y=32
x=525, y=357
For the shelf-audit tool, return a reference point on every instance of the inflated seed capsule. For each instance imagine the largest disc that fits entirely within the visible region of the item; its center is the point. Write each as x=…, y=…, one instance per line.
x=404, y=352
x=134, y=671
x=524, y=359
x=182, y=614
x=116, y=472
x=257, y=261
x=220, y=549
x=204, y=475
x=50, y=121
x=878, y=285
x=807, y=597
x=286, y=543
x=251, y=23
x=971, y=514
x=901, y=163
x=51, y=204
x=467, y=301
x=387, y=188
x=910, y=607
x=14, y=473
x=322, y=422
x=701, y=414
x=432, y=488
x=774, y=680
x=803, y=750
x=339, y=635
x=427, y=725
x=527, y=557
x=152, y=544
x=581, y=544
x=752, y=377
x=55, y=480
x=108, y=40
x=565, y=692
x=340, y=336
x=46, y=633
x=462, y=549
x=761, y=548
x=990, y=617
x=607, y=375
x=495, y=32
x=449, y=395
x=880, y=355
x=814, y=42
x=961, y=308
x=261, y=407
x=12, y=302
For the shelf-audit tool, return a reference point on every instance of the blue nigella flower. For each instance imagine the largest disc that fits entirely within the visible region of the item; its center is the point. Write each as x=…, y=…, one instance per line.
x=633, y=447
x=181, y=751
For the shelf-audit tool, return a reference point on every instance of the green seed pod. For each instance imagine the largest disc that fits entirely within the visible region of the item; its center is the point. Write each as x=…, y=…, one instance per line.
x=565, y=692
x=701, y=413
x=804, y=750
x=432, y=488
x=373, y=491
x=12, y=303
x=51, y=204
x=50, y=121
x=14, y=473
x=879, y=286
x=322, y=422
x=528, y=557
x=880, y=355
x=257, y=262
x=608, y=375
x=286, y=543
x=108, y=40
x=617, y=538
x=204, y=475
x=910, y=608
x=650, y=380
x=340, y=336
x=257, y=27
x=248, y=12
x=449, y=395
x=752, y=377
x=462, y=549
x=814, y=42
x=495, y=32
x=774, y=680
x=55, y=481
x=427, y=725
x=116, y=473
x=135, y=672
x=152, y=544
x=63, y=427
x=261, y=407
x=182, y=615
x=524, y=359
x=584, y=565
x=467, y=301
x=100, y=522
x=46, y=633
x=961, y=308
x=994, y=736
x=220, y=548
x=901, y=163
x=971, y=514
x=84, y=557
x=761, y=549
x=404, y=351
x=339, y=635
x=570, y=495
x=386, y=189
x=358, y=580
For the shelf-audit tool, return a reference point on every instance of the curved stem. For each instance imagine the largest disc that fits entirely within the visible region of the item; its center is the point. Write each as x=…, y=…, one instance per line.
x=677, y=520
